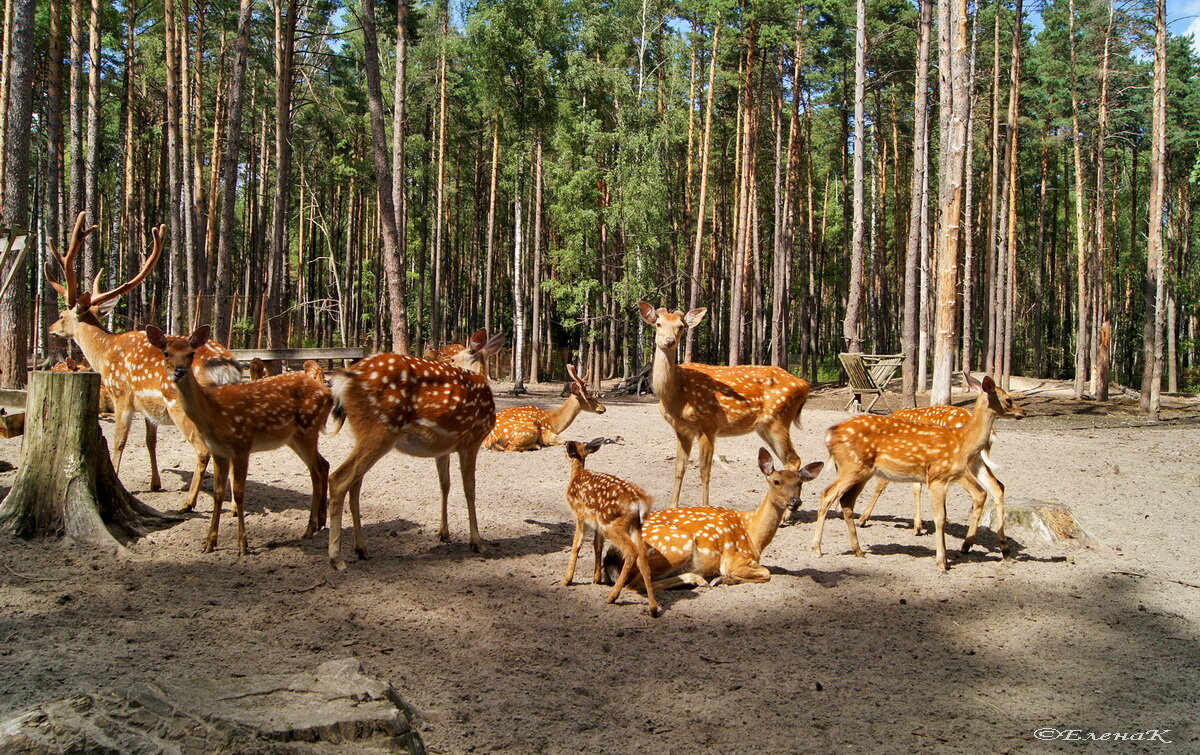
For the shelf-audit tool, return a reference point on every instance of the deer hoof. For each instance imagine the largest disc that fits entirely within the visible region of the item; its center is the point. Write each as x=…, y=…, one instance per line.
x=362, y=554
x=338, y=564
x=477, y=547
x=655, y=612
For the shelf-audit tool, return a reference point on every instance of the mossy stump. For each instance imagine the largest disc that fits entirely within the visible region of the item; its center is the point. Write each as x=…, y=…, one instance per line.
x=66, y=486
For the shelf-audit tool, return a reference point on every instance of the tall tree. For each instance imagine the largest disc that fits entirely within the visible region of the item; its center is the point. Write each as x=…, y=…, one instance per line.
x=1152, y=350
x=287, y=12
x=918, y=211
x=852, y=328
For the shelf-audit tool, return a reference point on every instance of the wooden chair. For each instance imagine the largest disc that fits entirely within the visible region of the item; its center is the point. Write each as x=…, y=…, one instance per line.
x=869, y=374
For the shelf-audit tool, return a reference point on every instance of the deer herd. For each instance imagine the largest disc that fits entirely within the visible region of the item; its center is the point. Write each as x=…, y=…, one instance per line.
x=442, y=404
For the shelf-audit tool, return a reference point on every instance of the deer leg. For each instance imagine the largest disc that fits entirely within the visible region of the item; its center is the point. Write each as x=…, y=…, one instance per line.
x=466, y=467
x=918, y=525
x=360, y=548
x=443, y=473
x=575, y=543
x=220, y=476
x=747, y=572
x=643, y=564
x=346, y=478
x=937, y=495
x=995, y=489
x=629, y=556
x=776, y=435
x=827, y=498
x=152, y=449
x=848, y=500
x=864, y=517
x=978, y=496
x=707, y=444
x=123, y=415
x=598, y=547
x=840, y=490
x=683, y=449
x=318, y=472
x=240, y=465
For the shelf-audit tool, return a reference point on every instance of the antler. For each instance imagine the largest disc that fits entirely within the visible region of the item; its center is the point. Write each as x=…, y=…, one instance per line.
x=147, y=265
x=575, y=378
x=66, y=262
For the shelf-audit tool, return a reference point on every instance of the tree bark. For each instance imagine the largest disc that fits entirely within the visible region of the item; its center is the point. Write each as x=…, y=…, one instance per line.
x=689, y=349
x=1152, y=350
x=65, y=485
x=284, y=62
x=918, y=210
x=852, y=327
x=14, y=307
x=1082, y=300
x=393, y=255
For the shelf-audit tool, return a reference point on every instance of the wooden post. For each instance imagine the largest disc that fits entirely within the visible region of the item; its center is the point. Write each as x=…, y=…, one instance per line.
x=65, y=485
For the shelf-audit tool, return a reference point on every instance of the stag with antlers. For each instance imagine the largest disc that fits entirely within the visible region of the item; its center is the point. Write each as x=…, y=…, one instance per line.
x=130, y=368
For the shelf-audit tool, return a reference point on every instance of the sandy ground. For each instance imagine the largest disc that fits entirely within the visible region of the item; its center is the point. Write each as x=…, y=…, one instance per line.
x=837, y=653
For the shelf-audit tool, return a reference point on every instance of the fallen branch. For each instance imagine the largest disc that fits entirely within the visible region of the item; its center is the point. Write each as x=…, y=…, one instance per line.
x=32, y=579
x=1161, y=579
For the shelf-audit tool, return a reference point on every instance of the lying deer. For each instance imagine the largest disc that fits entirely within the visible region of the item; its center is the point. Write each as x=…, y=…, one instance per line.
x=953, y=417
x=130, y=368
x=419, y=407
x=238, y=420
x=527, y=428
x=906, y=451
x=615, y=510
x=702, y=402
x=694, y=544
x=70, y=365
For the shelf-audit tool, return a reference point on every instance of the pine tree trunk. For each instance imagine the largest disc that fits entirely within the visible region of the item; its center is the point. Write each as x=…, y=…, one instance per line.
x=535, y=345
x=490, y=254
x=1100, y=350
x=285, y=44
x=918, y=210
x=852, y=327
x=1082, y=300
x=14, y=307
x=393, y=255
x=229, y=177
x=1155, y=279
x=689, y=349
x=1004, y=362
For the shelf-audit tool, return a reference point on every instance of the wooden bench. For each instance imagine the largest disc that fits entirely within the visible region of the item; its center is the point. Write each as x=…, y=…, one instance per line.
x=275, y=356
x=869, y=374
x=12, y=413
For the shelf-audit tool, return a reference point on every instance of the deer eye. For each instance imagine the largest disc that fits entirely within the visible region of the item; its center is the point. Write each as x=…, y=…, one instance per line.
x=774, y=482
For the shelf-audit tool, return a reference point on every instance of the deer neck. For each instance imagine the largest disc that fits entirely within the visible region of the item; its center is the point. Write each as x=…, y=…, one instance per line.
x=95, y=342
x=665, y=378
x=198, y=404
x=763, y=523
x=562, y=417
x=977, y=433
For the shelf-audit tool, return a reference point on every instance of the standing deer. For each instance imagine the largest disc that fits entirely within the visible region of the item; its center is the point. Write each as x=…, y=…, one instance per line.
x=615, y=510
x=130, y=368
x=526, y=428
x=238, y=420
x=702, y=402
x=419, y=407
x=691, y=545
x=70, y=365
x=902, y=450
x=953, y=417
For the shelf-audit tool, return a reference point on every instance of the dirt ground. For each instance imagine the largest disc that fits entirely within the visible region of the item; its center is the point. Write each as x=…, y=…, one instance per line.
x=837, y=653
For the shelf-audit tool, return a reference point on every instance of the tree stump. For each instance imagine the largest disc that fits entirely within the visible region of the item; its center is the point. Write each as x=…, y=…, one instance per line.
x=66, y=486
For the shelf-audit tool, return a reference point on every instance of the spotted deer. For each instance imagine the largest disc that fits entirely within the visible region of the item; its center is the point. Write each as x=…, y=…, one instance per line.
x=238, y=420
x=615, y=510
x=906, y=451
x=130, y=368
x=258, y=369
x=527, y=428
x=691, y=545
x=70, y=365
x=420, y=407
x=444, y=354
x=702, y=402
x=953, y=417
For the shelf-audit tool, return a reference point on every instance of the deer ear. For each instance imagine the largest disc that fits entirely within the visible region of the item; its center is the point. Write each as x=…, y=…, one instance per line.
x=158, y=339
x=476, y=342
x=649, y=313
x=811, y=470
x=493, y=345
x=573, y=450
x=83, y=302
x=594, y=444
x=988, y=385
x=106, y=308
x=200, y=336
x=765, y=463
x=693, y=318
x=970, y=381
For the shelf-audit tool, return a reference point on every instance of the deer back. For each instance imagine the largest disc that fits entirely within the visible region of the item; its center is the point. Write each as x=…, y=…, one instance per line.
x=604, y=497
x=130, y=365
x=517, y=423
x=404, y=395
x=699, y=534
x=946, y=416
x=273, y=407
x=739, y=397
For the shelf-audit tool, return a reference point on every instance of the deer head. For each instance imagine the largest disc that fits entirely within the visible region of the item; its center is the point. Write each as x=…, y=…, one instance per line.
x=178, y=351
x=1000, y=401
x=473, y=358
x=578, y=388
x=670, y=326
x=784, y=483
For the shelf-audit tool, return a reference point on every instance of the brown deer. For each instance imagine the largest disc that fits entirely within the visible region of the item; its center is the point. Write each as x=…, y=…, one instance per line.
x=702, y=402
x=238, y=420
x=953, y=417
x=691, y=545
x=258, y=369
x=527, y=428
x=419, y=407
x=615, y=510
x=902, y=450
x=130, y=368
x=70, y=365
